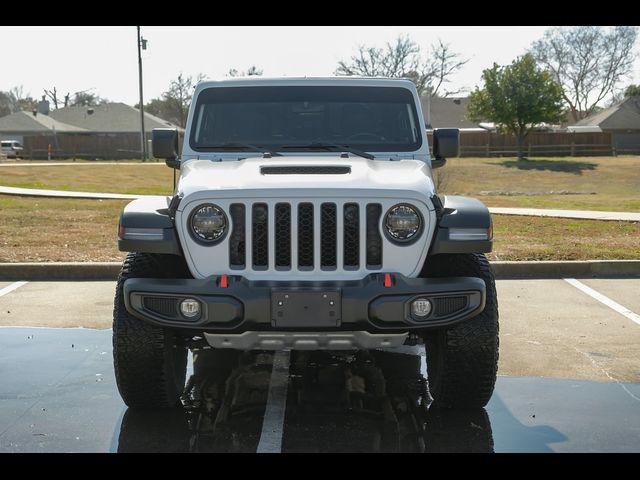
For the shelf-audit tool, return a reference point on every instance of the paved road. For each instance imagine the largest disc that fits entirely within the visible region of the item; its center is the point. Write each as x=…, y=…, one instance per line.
x=548, y=328
x=569, y=381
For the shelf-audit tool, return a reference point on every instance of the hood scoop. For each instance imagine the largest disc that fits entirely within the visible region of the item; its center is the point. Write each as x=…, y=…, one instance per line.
x=306, y=170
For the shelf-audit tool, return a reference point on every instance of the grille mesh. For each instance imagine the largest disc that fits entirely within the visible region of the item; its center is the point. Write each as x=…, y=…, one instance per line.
x=351, y=235
x=305, y=235
x=329, y=235
x=237, y=242
x=260, y=237
x=374, y=239
x=449, y=305
x=165, y=306
x=283, y=235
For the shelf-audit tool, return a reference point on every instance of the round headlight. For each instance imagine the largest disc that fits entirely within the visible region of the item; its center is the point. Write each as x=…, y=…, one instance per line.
x=403, y=223
x=208, y=223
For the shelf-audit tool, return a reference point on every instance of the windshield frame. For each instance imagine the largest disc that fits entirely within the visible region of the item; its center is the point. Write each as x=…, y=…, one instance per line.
x=415, y=118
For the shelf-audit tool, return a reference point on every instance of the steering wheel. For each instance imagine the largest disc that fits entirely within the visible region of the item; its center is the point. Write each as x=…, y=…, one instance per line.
x=364, y=136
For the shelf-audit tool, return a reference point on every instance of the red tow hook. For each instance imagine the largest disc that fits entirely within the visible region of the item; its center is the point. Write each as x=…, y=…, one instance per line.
x=388, y=281
x=224, y=281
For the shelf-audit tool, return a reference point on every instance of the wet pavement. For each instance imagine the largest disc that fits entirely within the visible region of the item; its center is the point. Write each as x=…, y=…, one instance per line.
x=58, y=394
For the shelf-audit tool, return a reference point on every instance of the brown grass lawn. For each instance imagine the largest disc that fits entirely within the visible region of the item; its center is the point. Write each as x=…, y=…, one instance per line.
x=587, y=183
x=51, y=230
x=152, y=178
x=43, y=229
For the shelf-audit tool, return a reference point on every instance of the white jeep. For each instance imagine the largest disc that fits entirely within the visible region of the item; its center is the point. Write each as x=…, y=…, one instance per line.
x=305, y=217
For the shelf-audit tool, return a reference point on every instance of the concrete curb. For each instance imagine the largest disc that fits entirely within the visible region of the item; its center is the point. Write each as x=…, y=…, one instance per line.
x=503, y=270
x=567, y=269
x=60, y=271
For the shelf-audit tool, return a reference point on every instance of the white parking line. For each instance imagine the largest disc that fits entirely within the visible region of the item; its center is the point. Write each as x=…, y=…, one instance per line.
x=634, y=317
x=11, y=288
x=273, y=423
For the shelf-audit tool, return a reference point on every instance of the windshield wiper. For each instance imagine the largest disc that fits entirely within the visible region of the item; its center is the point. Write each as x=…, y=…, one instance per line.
x=330, y=147
x=241, y=146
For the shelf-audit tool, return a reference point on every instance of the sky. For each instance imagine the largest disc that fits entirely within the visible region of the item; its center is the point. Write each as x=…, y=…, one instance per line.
x=104, y=59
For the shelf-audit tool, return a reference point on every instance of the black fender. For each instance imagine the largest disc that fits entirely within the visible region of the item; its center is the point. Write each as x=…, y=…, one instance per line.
x=146, y=225
x=455, y=215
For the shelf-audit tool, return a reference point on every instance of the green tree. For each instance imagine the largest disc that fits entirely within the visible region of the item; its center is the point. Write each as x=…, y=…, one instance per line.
x=632, y=91
x=517, y=97
x=87, y=99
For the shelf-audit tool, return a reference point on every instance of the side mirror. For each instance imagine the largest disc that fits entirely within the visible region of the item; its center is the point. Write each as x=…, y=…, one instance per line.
x=446, y=144
x=164, y=144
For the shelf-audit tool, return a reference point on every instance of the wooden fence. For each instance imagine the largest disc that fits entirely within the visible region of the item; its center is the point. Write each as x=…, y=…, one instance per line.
x=540, y=144
x=472, y=144
x=111, y=146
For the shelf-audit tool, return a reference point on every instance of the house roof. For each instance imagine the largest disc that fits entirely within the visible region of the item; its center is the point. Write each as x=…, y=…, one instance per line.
x=109, y=118
x=27, y=122
x=623, y=116
x=448, y=112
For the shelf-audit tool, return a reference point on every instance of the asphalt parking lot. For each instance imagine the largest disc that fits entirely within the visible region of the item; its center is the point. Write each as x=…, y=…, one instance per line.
x=569, y=381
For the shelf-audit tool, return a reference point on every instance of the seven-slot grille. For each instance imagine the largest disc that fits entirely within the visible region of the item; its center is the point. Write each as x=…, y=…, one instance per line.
x=305, y=236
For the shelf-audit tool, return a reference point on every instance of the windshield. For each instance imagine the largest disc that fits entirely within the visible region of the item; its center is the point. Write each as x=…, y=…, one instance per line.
x=374, y=119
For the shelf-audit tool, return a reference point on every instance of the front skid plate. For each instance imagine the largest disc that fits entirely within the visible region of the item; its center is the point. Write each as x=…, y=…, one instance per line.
x=305, y=340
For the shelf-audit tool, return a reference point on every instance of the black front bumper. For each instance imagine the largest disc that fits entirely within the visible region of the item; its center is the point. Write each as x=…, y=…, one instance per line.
x=244, y=305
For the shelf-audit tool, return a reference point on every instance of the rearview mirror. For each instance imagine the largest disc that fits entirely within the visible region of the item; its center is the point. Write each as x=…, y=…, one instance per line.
x=164, y=144
x=446, y=144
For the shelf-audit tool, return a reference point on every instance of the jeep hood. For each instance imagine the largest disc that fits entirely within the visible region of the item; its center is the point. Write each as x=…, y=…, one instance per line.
x=273, y=175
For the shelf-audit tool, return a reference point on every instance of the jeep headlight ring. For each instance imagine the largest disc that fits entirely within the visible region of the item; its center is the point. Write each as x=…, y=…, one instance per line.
x=403, y=223
x=208, y=223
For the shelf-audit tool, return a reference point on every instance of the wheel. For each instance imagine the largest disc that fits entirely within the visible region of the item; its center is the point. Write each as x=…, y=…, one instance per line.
x=150, y=362
x=467, y=431
x=154, y=431
x=462, y=361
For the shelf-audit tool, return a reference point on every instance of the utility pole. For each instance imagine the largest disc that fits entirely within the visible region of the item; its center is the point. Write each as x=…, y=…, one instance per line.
x=142, y=45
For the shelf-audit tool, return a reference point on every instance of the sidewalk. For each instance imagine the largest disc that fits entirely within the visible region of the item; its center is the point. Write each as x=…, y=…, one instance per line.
x=582, y=214
x=530, y=212
x=32, y=192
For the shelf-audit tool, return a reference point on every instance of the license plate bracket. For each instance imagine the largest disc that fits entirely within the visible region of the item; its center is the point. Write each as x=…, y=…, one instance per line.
x=306, y=308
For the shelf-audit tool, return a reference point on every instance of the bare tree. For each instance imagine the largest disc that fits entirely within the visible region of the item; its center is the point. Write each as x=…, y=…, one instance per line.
x=403, y=59
x=5, y=104
x=179, y=95
x=53, y=96
x=15, y=100
x=587, y=61
x=251, y=71
x=174, y=103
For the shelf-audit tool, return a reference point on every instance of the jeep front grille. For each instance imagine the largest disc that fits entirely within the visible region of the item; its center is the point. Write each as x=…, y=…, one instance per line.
x=306, y=236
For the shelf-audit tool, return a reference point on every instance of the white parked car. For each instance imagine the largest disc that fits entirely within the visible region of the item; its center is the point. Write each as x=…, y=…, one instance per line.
x=12, y=148
x=305, y=217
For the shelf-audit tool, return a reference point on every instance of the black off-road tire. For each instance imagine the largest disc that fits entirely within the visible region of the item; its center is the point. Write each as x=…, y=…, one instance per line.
x=462, y=361
x=150, y=362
